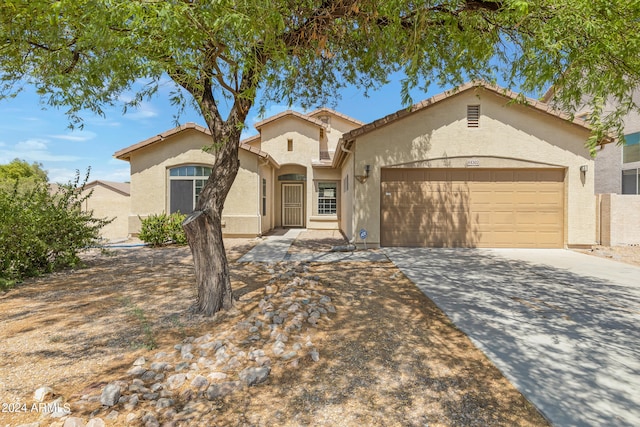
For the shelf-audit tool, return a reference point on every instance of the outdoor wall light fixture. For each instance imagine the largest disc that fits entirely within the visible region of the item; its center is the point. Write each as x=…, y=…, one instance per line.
x=363, y=178
x=584, y=168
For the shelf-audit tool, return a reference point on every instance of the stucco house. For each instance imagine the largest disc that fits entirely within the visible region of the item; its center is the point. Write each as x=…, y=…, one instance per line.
x=169, y=170
x=467, y=168
x=617, y=181
x=617, y=167
x=109, y=200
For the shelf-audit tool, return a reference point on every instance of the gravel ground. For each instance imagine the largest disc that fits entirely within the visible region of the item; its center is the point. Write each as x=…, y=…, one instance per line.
x=387, y=356
x=626, y=254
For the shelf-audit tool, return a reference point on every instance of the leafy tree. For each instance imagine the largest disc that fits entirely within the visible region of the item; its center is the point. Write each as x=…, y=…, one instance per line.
x=43, y=230
x=25, y=174
x=81, y=54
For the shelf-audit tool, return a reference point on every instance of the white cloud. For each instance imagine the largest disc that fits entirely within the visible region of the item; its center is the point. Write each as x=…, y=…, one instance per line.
x=31, y=145
x=33, y=150
x=143, y=111
x=118, y=175
x=62, y=175
x=80, y=136
x=65, y=175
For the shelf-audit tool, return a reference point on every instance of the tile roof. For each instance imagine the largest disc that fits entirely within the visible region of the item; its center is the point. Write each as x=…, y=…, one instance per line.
x=260, y=153
x=125, y=153
x=481, y=85
x=119, y=187
x=295, y=114
x=541, y=106
x=319, y=111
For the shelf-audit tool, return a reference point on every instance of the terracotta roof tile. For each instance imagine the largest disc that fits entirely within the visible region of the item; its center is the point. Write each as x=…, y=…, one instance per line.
x=287, y=113
x=125, y=153
x=119, y=187
x=319, y=111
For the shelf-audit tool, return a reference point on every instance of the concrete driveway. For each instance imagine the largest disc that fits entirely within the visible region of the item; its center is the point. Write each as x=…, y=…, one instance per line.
x=563, y=327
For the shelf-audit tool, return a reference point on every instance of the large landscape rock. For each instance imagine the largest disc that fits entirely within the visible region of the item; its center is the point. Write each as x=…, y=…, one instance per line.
x=217, y=391
x=110, y=394
x=252, y=376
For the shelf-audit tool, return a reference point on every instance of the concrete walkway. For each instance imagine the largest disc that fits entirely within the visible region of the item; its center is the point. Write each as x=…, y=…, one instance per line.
x=275, y=248
x=563, y=327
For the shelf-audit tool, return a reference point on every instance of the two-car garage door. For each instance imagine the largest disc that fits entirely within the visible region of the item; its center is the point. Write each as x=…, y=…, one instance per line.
x=472, y=207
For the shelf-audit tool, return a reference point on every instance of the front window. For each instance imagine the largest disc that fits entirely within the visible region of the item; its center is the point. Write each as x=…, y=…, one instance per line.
x=327, y=198
x=631, y=181
x=185, y=185
x=631, y=148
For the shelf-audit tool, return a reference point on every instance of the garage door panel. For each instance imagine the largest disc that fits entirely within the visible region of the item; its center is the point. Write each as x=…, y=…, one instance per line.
x=473, y=208
x=480, y=176
x=503, y=176
x=436, y=175
x=546, y=237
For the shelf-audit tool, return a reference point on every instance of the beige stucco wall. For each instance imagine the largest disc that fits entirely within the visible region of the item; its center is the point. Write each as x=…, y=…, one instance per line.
x=241, y=213
x=150, y=183
x=337, y=126
x=266, y=171
x=508, y=136
x=620, y=219
x=300, y=160
x=150, y=172
x=305, y=140
x=308, y=142
x=107, y=203
x=346, y=207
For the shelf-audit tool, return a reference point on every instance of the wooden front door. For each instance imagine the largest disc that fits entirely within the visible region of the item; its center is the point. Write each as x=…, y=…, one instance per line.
x=292, y=205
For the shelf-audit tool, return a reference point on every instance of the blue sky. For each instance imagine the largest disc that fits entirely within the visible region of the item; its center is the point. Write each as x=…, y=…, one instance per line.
x=34, y=134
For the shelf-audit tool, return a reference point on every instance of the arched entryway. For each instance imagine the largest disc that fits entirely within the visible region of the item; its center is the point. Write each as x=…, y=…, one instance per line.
x=292, y=180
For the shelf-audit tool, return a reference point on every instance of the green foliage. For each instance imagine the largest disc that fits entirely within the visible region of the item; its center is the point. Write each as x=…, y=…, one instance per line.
x=162, y=229
x=26, y=175
x=83, y=54
x=42, y=231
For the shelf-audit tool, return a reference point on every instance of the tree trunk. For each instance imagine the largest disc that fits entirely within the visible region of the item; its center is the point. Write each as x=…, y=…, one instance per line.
x=203, y=227
x=204, y=234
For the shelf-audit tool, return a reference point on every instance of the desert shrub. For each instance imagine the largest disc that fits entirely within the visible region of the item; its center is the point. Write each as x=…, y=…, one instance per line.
x=162, y=229
x=43, y=230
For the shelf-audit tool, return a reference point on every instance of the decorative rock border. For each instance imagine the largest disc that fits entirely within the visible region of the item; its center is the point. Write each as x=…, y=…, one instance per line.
x=171, y=386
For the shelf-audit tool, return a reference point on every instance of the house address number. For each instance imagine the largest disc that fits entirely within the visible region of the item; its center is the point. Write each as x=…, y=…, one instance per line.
x=473, y=162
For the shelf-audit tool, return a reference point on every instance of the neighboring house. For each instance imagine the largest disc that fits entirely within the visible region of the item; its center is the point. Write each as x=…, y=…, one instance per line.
x=110, y=200
x=617, y=181
x=617, y=167
x=465, y=168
